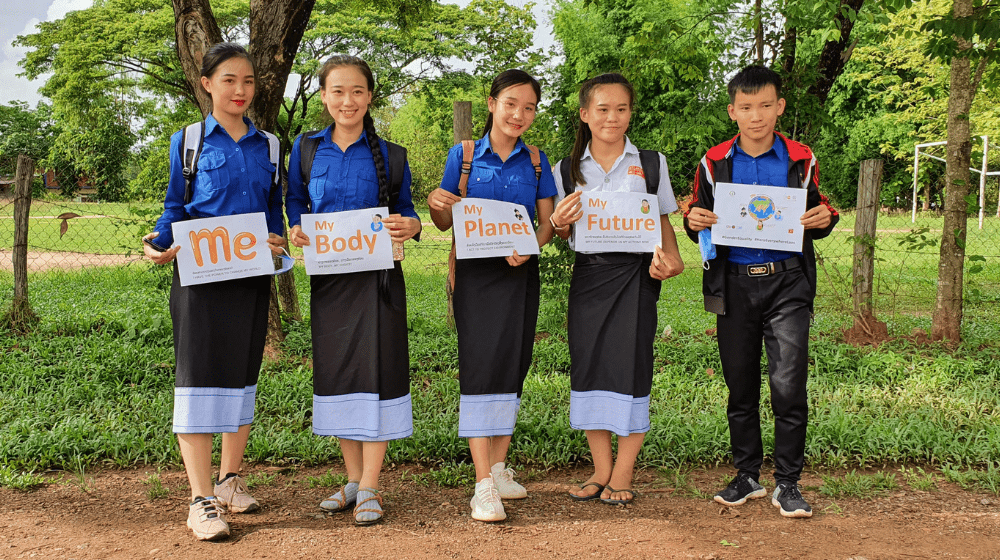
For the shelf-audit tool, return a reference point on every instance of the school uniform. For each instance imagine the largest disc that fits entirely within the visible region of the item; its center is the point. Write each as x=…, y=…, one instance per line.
x=496, y=304
x=361, y=363
x=763, y=295
x=612, y=312
x=220, y=327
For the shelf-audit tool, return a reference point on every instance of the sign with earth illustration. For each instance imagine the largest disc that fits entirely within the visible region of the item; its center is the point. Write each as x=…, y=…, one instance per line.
x=759, y=217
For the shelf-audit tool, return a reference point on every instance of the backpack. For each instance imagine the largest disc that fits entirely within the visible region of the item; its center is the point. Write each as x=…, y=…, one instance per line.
x=396, y=164
x=192, y=143
x=650, y=160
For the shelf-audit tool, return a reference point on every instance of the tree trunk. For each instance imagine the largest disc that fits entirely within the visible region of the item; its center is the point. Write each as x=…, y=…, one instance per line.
x=19, y=318
x=758, y=28
x=835, y=53
x=788, y=46
x=947, y=322
x=927, y=197
x=196, y=30
x=462, y=128
x=869, y=188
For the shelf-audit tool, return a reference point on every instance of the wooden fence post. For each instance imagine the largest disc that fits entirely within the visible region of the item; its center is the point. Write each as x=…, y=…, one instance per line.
x=20, y=318
x=869, y=188
x=462, y=128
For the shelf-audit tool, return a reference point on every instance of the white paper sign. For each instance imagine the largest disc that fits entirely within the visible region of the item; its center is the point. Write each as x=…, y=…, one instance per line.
x=759, y=217
x=625, y=222
x=491, y=228
x=222, y=248
x=351, y=241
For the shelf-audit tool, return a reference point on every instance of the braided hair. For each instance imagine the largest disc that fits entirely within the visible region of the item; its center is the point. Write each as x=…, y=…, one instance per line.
x=583, y=134
x=374, y=142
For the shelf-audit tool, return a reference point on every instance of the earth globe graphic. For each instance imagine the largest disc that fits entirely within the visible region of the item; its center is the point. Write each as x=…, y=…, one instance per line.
x=761, y=208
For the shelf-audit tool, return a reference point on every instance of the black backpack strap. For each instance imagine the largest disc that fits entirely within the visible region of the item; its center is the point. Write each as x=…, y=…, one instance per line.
x=567, y=181
x=650, y=160
x=307, y=153
x=396, y=168
x=190, y=153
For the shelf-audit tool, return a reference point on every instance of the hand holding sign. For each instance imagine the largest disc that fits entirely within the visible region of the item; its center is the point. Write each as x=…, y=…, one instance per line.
x=222, y=248
x=491, y=228
x=340, y=242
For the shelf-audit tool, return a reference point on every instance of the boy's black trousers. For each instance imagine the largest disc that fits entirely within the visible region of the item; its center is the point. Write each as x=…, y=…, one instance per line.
x=775, y=308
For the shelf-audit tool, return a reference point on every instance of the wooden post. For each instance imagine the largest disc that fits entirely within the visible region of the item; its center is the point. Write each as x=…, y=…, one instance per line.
x=869, y=187
x=20, y=318
x=462, y=128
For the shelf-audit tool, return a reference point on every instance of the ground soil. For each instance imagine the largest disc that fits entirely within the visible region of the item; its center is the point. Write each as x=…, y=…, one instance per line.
x=40, y=261
x=110, y=515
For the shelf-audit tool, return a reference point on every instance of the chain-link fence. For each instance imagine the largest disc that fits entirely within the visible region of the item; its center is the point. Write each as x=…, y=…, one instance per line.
x=78, y=231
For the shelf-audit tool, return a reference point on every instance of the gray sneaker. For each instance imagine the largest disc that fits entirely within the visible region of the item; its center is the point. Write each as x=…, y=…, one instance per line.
x=741, y=489
x=206, y=518
x=232, y=494
x=789, y=500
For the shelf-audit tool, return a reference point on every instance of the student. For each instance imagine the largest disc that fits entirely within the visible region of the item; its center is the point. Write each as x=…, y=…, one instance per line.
x=219, y=328
x=760, y=294
x=496, y=299
x=612, y=296
x=361, y=360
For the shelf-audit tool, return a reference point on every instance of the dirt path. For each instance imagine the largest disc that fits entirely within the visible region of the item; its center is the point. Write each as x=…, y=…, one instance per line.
x=111, y=516
x=40, y=261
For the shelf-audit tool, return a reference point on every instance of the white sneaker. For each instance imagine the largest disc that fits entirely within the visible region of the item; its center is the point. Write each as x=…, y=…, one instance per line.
x=232, y=493
x=503, y=479
x=207, y=519
x=486, y=504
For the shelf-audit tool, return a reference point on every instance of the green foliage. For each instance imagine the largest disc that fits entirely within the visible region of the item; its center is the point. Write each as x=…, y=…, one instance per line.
x=25, y=131
x=156, y=488
x=328, y=480
x=856, y=485
x=18, y=480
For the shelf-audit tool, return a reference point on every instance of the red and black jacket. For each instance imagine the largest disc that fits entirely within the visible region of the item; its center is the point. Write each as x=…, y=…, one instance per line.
x=717, y=167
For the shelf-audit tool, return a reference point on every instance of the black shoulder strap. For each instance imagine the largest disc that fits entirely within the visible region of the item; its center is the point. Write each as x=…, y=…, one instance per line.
x=190, y=152
x=650, y=160
x=565, y=173
x=396, y=169
x=307, y=153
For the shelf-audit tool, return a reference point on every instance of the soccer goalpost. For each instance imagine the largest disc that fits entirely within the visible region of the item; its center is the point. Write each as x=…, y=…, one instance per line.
x=983, y=174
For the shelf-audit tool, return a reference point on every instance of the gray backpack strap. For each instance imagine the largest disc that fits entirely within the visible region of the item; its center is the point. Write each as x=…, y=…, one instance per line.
x=650, y=160
x=307, y=153
x=192, y=142
x=274, y=155
x=565, y=174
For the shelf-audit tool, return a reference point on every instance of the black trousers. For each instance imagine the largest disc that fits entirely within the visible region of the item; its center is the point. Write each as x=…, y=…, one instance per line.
x=774, y=308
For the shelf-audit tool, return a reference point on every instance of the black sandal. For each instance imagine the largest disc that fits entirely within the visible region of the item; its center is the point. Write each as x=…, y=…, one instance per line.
x=587, y=498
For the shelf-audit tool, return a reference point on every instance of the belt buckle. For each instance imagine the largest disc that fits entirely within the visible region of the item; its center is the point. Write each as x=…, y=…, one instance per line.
x=760, y=269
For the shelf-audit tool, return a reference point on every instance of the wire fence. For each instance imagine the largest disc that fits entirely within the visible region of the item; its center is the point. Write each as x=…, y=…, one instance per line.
x=78, y=231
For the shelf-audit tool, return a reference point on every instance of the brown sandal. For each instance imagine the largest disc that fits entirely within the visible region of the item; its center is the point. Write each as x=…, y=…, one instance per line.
x=376, y=496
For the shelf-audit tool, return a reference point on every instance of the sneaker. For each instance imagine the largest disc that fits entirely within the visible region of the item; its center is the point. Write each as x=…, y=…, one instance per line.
x=789, y=499
x=206, y=518
x=232, y=494
x=503, y=479
x=741, y=489
x=486, y=504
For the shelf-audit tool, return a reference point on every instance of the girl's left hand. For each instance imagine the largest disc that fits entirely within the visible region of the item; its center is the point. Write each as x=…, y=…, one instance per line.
x=517, y=260
x=400, y=228
x=664, y=266
x=276, y=243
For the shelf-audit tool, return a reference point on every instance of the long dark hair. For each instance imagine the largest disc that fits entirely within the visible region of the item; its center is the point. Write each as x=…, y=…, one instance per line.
x=374, y=144
x=219, y=53
x=506, y=79
x=583, y=134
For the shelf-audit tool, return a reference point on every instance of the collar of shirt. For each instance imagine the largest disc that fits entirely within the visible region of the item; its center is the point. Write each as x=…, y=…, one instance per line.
x=211, y=125
x=326, y=136
x=778, y=150
x=484, y=144
x=629, y=149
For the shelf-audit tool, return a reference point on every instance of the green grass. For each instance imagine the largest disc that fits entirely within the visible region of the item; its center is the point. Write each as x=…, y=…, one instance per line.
x=93, y=386
x=328, y=480
x=854, y=485
x=156, y=488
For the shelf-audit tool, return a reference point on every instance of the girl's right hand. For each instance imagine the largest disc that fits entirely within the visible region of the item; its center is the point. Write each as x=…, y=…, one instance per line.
x=158, y=257
x=298, y=238
x=441, y=200
x=568, y=211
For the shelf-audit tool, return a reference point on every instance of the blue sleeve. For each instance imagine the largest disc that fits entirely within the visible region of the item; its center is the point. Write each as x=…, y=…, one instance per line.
x=298, y=201
x=275, y=220
x=546, y=183
x=173, y=203
x=404, y=206
x=452, y=169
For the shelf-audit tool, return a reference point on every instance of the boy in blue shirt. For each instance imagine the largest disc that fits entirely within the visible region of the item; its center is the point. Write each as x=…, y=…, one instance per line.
x=761, y=294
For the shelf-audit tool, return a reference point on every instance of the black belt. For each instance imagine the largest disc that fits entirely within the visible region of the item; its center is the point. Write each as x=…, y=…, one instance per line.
x=765, y=269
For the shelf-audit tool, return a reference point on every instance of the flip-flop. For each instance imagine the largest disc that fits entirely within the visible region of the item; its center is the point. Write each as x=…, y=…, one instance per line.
x=626, y=501
x=587, y=498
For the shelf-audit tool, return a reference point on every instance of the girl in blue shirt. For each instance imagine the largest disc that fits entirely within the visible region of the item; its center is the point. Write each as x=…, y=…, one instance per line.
x=613, y=295
x=361, y=365
x=219, y=328
x=496, y=299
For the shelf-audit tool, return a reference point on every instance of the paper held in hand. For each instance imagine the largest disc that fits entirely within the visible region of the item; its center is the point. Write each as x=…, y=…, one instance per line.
x=759, y=217
x=222, y=248
x=491, y=228
x=351, y=241
x=624, y=222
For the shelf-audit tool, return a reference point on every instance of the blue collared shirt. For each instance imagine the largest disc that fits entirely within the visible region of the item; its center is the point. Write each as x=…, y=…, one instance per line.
x=340, y=180
x=233, y=178
x=509, y=181
x=768, y=169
